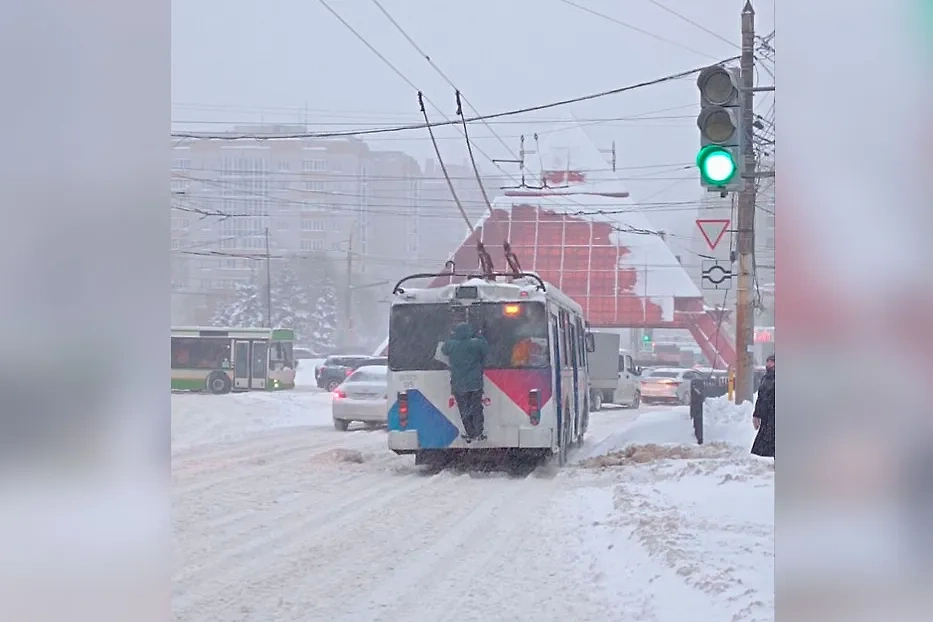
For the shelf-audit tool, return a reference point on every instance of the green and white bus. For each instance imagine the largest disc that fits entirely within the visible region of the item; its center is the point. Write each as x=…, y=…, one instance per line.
x=221, y=360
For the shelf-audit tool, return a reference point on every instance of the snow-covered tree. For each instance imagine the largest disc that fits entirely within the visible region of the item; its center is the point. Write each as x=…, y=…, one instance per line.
x=246, y=310
x=291, y=302
x=323, y=335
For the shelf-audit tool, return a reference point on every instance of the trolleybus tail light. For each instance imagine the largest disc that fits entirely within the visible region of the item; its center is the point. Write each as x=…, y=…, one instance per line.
x=534, y=406
x=403, y=408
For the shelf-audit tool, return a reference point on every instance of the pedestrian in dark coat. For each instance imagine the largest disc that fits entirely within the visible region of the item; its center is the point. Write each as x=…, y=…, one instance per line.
x=763, y=417
x=467, y=353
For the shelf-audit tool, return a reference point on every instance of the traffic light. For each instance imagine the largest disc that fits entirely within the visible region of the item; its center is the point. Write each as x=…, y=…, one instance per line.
x=646, y=337
x=721, y=129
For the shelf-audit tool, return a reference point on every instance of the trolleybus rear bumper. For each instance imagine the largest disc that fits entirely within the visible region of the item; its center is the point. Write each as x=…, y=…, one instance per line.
x=406, y=441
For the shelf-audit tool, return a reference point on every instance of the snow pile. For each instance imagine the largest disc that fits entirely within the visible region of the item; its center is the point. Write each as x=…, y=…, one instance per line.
x=694, y=522
x=206, y=419
x=339, y=455
x=723, y=422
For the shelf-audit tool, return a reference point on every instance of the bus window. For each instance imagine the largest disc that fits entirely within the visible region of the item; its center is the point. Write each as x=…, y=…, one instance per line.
x=200, y=353
x=564, y=341
x=414, y=334
x=280, y=353
x=516, y=333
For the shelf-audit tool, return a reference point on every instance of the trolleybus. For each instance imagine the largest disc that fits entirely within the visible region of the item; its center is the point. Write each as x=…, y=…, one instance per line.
x=535, y=387
x=221, y=360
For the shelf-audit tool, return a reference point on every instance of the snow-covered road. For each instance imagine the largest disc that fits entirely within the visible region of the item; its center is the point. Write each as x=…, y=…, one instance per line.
x=276, y=518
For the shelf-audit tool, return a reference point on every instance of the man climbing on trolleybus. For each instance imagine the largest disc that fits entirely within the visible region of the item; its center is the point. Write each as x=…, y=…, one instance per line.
x=466, y=352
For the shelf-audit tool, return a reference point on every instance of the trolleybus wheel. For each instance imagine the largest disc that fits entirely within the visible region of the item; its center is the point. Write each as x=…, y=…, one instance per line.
x=218, y=383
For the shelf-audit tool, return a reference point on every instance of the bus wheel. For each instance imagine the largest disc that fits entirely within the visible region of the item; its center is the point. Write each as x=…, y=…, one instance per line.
x=218, y=383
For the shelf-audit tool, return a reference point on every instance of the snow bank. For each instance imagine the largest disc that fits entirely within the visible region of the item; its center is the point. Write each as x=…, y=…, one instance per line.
x=723, y=423
x=205, y=419
x=697, y=519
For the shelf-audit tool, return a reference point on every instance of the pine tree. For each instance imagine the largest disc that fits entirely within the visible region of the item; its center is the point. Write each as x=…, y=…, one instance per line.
x=291, y=302
x=246, y=310
x=324, y=318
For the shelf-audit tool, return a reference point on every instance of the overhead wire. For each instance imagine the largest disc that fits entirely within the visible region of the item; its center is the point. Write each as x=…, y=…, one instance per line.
x=420, y=126
x=693, y=23
x=634, y=28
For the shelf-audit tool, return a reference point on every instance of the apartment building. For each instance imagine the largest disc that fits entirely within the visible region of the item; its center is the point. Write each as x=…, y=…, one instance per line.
x=325, y=203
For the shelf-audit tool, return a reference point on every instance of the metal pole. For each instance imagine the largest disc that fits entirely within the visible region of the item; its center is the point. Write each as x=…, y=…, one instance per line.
x=348, y=301
x=268, y=282
x=745, y=239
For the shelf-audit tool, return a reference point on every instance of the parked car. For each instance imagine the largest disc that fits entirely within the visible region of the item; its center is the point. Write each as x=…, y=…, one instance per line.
x=335, y=369
x=667, y=384
x=362, y=397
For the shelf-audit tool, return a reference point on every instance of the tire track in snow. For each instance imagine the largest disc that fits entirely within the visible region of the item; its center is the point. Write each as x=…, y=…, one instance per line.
x=330, y=576
x=249, y=554
x=434, y=581
x=263, y=456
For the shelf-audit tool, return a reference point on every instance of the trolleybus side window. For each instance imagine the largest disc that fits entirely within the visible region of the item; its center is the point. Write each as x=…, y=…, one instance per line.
x=581, y=342
x=564, y=341
x=200, y=353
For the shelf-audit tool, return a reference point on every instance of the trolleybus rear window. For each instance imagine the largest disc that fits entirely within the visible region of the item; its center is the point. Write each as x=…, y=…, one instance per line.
x=517, y=334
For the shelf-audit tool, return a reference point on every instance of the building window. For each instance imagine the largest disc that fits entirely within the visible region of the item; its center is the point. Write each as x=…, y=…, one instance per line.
x=314, y=166
x=284, y=165
x=313, y=224
x=315, y=185
x=183, y=164
x=179, y=185
x=312, y=245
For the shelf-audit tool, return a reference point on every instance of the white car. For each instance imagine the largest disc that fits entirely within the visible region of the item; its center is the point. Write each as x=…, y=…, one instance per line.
x=667, y=384
x=362, y=397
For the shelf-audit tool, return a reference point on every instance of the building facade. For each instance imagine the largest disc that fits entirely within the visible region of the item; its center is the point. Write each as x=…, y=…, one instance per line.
x=332, y=207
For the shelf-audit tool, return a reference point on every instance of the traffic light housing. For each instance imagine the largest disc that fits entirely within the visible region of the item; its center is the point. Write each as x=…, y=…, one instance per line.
x=646, y=338
x=720, y=158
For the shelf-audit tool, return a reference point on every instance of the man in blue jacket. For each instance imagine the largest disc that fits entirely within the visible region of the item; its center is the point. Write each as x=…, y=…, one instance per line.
x=467, y=354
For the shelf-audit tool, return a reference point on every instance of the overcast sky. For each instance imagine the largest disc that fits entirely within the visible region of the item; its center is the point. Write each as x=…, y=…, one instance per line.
x=237, y=61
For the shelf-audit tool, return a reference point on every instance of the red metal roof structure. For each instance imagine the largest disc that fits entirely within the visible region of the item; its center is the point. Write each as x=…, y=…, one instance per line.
x=604, y=262
x=585, y=236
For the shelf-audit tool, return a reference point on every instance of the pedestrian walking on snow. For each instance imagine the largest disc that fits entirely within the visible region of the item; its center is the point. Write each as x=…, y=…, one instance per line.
x=763, y=417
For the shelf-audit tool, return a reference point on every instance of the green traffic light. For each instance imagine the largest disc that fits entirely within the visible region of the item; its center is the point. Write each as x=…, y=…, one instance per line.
x=716, y=164
x=646, y=338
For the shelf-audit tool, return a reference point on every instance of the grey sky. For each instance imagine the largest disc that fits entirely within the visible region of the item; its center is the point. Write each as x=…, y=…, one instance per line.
x=241, y=61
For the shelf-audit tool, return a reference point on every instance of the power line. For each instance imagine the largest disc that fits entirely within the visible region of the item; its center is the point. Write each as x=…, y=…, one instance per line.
x=634, y=28
x=421, y=126
x=693, y=23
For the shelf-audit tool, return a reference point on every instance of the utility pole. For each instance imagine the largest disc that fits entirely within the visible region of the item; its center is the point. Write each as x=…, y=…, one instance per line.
x=348, y=300
x=745, y=225
x=268, y=282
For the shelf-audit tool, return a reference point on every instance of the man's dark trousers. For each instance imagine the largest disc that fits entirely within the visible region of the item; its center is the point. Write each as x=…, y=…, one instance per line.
x=470, y=404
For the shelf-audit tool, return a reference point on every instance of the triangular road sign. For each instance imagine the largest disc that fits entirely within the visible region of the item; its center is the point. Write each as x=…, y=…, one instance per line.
x=713, y=230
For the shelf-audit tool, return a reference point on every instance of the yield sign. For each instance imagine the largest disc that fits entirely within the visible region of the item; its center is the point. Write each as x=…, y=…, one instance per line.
x=713, y=230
